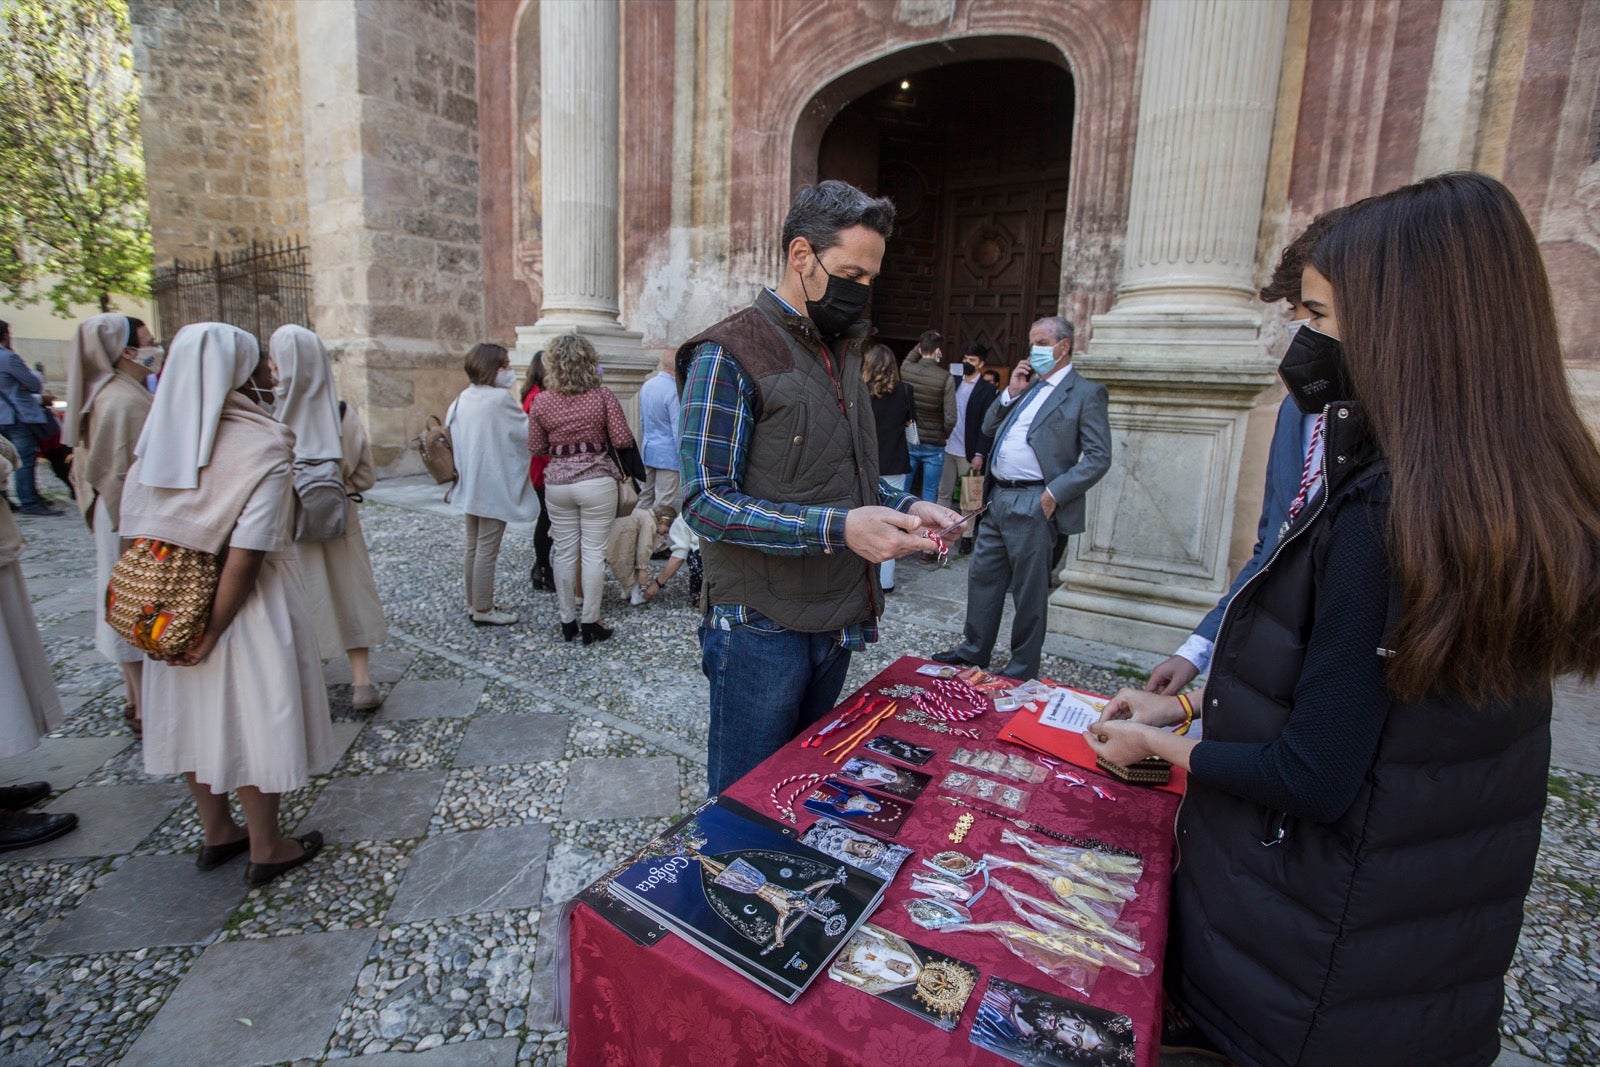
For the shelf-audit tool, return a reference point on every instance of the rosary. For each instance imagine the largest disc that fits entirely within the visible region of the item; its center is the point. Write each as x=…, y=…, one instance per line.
x=785, y=802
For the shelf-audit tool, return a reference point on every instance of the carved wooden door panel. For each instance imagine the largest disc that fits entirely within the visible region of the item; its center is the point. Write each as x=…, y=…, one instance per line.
x=1002, y=264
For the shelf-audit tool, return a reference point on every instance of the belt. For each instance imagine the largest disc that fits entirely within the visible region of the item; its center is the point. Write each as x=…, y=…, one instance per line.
x=1003, y=484
x=578, y=448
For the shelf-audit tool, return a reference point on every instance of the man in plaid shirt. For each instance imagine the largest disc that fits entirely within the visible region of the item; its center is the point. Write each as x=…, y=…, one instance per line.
x=780, y=480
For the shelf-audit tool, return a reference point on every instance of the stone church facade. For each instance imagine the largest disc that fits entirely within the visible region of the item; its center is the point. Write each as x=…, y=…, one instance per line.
x=511, y=169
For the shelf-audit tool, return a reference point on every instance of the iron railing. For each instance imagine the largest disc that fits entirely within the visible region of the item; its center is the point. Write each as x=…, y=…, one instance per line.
x=257, y=289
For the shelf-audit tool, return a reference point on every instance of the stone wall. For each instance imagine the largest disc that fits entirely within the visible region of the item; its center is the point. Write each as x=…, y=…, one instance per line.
x=210, y=109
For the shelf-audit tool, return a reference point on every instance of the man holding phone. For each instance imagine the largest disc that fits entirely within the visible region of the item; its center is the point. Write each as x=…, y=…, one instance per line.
x=1052, y=442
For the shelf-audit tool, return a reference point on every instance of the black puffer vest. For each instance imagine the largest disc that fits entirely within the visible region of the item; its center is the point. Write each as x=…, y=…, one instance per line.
x=1384, y=936
x=815, y=442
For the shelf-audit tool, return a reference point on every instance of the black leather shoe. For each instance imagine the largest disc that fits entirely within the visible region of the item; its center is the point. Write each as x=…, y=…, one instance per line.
x=259, y=874
x=24, y=829
x=22, y=794
x=593, y=631
x=542, y=578
x=213, y=856
x=955, y=659
x=569, y=630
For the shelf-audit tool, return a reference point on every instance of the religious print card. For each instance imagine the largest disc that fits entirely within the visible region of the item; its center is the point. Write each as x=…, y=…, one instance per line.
x=926, y=983
x=881, y=777
x=857, y=849
x=1039, y=1029
x=899, y=750
x=639, y=927
x=852, y=806
x=745, y=894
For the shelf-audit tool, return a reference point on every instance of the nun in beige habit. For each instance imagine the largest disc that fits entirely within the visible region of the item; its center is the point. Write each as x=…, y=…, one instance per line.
x=245, y=709
x=29, y=704
x=107, y=404
x=338, y=573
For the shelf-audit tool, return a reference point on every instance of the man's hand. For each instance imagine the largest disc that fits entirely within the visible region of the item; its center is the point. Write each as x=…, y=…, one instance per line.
x=1021, y=375
x=977, y=463
x=877, y=533
x=1121, y=742
x=1141, y=707
x=1047, y=504
x=1171, y=675
x=934, y=516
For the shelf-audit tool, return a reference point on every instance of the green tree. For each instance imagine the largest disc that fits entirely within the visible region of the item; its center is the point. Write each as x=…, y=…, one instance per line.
x=73, y=222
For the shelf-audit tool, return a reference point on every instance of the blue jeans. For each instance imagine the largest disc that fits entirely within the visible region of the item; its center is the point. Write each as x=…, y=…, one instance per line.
x=768, y=685
x=25, y=437
x=929, y=459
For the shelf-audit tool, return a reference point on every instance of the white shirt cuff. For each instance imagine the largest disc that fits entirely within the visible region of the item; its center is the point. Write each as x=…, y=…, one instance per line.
x=1197, y=650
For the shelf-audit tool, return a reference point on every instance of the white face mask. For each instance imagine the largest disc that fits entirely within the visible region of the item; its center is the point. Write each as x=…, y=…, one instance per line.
x=506, y=378
x=151, y=358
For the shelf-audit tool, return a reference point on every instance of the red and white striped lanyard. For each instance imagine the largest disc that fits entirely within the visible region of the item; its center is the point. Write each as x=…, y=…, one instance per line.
x=1312, y=471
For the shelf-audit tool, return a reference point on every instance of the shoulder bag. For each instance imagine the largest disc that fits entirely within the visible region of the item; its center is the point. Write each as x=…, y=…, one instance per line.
x=159, y=597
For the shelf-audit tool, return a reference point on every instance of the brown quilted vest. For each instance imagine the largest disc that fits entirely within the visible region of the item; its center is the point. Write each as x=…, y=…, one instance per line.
x=803, y=450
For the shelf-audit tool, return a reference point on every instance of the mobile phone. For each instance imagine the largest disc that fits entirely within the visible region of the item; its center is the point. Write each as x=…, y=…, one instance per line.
x=954, y=526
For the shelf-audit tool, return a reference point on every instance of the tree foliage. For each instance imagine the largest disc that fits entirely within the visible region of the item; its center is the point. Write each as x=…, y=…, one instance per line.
x=73, y=222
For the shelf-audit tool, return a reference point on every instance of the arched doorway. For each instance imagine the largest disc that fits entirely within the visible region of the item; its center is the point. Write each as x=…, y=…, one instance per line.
x=976, y=156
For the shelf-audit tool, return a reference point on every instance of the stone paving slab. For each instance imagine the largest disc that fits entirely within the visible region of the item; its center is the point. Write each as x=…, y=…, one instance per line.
x=149, y=902
x=499, y=1053
x=618, y=788
x=1575, y=726
x=413, y=699
x=344, y=735
x=72, y=628
x=290, y=989
x=478, y=871
x=112, y=819
x=386, y=667
x=61, y=761
x=495, y=739
x=375, y=807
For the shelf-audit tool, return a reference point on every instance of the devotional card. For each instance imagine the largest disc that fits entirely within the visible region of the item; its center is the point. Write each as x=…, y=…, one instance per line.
x=919, y=980
x=850, y=805
x=880, y=777
x=899, y=750
x=1039, y=1029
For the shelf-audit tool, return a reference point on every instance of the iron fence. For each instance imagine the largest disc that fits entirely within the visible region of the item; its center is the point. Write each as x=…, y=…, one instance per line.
x=257, y=289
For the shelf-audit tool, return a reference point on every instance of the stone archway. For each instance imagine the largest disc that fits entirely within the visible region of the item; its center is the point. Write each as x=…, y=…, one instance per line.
x=976, y=154
x=795, y=70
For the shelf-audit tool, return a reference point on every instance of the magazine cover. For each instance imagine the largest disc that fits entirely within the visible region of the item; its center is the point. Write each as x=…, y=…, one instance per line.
x=774, y=909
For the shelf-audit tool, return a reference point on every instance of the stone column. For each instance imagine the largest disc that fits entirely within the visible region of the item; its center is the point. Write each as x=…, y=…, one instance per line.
x=580, y=47
x=1179, y=351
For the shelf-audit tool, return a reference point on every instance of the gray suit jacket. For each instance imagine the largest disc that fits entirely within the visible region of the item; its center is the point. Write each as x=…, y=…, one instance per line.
x=1071, y=435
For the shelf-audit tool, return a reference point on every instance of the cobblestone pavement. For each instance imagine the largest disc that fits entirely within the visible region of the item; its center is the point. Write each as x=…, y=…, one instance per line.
x=506, y=769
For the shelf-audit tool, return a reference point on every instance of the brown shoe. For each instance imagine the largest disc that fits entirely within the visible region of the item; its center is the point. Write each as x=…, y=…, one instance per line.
x=365, y=698
x=213, y=856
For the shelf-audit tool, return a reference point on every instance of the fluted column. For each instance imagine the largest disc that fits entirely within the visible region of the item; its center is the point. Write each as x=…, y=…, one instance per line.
x=580, y=47
x=1179, y=350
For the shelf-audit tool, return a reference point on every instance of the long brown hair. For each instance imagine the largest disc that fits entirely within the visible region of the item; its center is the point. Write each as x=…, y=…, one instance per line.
x=880, y=370
x=1447, y=322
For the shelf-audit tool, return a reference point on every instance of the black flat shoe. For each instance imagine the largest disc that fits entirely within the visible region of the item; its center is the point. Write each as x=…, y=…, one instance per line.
x=213, y=856
x=22, y=794
x=24, y=829
x=257, y=875
x=569, y=630
x=955, y=659
x=593, y=631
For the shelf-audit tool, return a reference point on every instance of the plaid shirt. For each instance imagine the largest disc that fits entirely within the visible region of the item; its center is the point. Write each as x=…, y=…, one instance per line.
x=718, y=418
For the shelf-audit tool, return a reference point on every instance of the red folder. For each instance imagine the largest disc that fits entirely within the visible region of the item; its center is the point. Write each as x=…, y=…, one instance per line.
x=1024, y=729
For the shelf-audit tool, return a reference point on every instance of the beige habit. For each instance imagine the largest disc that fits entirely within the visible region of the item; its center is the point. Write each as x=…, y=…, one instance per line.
x=338, y=574
x=255, y=711
x=29, y=704
x=107, y=405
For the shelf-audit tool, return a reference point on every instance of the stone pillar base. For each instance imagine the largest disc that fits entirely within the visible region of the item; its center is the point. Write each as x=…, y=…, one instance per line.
x=622, y=354
x=1154, y=556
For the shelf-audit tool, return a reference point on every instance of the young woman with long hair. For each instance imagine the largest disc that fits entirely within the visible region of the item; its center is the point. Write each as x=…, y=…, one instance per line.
x=894, y=408
x=1364, y=811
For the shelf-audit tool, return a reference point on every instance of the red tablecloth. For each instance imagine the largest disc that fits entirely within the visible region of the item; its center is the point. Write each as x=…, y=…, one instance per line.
x=673, y=1005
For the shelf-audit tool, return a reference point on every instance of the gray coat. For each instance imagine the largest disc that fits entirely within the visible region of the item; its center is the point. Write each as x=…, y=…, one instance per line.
x=1071, y=435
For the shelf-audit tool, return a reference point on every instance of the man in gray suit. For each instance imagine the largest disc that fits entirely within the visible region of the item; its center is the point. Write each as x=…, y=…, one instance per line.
x=1052, y=441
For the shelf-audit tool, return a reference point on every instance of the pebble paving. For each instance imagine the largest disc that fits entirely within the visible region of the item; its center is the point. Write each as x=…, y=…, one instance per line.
x=439, y=982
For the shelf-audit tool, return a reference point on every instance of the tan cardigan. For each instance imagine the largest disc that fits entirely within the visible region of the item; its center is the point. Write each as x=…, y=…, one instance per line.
x=105, y=451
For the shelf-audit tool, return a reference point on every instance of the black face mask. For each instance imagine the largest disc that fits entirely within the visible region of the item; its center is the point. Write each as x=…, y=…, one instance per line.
x=841, y=305
x=968, y=370
x=1314, y=371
